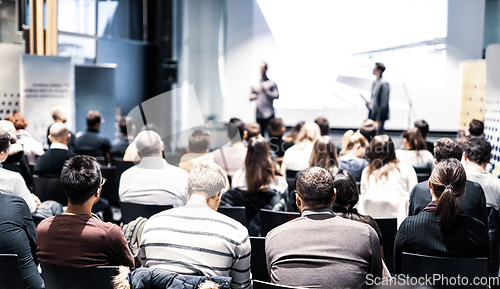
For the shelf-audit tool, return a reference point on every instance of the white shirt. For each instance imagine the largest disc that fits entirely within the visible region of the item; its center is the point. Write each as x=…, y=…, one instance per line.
x=154, y=182
x=490, y=184
x=56, y=145
x=239, y=181
x=422, y=159
x=398, y=183
x=297, y=157
x=12, y=183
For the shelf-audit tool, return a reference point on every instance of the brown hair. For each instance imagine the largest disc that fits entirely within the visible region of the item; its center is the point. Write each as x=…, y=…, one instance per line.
x=259, y=164
x=414, y=139
x=17, y=119
x=381, y=157
x=199, y=142
x=324, y=154
x=448, y=183
x=356, y=138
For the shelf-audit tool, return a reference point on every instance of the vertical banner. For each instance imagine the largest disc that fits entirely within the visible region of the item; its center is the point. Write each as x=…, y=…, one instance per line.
x=46, y=81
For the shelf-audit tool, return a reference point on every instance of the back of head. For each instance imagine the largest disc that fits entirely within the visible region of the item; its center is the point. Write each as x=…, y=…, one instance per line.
x=17, y=119
x=259, y=164
x=80, y=178
x=478, y=150
x=276, y=126
x=347, y=191
x=356, y=138
x=381, y=156
x=235, y=129
x=207, y=178
x=414, y=139
x=148, y=144
x=8, y=127
x=423, y=127
x=58, y=113
x=476, y=127
x=446, y=148
x=308, y=133
x=93, y=118
x=123, y=123
x=448, y=181
x=4, y=141
x=253, y=129
x=380, y=66
x=324, y=153
x=315, y=187
x=368, y=129
x=323, y=124
x=199, y=142
x=58, y=132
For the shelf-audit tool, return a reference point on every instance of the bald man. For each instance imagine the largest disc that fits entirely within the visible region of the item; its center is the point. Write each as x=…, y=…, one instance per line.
x=50, y=164
x=153, y=181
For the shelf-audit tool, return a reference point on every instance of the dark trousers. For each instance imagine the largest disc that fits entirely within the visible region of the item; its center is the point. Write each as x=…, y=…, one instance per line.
x=263, y=123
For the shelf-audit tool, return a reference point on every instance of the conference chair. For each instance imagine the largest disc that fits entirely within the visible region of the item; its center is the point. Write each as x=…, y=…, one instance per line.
x=271, y=219
x=62, y=277
x=258, y=264
x=10, y=272
x=292, y=174
x=50, y=189
x=121, y=166
x=237, y=213
x=388, y=227
x=131, y=211
x=173, y=158
x=416, y=265
x=110, y=189
x=423, y=174
x=257, y=284
x=291, y=205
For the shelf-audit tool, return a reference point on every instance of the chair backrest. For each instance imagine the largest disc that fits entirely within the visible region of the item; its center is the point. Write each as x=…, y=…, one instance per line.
x=237, y=213
x=10, y=272
x=292, y=174
x=257, y=284
x=110, y=189
x=15, y=166
x=50, y=189
x=388, y=227
x=131, y=211
x=416, y=265
x=271, y=219
x=258, y=264
x=173, y=158
x=121, y=166
x=61, y=277
x=423, y=174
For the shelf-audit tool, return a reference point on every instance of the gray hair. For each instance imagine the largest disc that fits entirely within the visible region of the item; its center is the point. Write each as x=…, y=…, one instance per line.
x=148, y=143
x=208, y=178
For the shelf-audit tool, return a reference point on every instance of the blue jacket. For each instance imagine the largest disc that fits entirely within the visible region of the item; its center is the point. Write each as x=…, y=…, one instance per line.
x=147, y=278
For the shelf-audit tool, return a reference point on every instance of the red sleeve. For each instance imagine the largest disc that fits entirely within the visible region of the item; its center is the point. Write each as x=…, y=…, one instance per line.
x=119, y=252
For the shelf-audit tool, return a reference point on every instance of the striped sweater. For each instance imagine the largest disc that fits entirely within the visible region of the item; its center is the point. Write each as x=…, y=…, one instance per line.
x=196, y=240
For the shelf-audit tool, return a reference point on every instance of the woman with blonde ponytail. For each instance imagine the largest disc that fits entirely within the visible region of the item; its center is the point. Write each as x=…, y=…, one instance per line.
x=441, y=229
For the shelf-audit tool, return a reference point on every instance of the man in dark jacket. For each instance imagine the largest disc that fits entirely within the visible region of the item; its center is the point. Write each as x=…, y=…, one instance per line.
x=51, y=163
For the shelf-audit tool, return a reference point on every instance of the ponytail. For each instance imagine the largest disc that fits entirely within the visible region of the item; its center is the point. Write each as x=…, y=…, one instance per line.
x=447, y=208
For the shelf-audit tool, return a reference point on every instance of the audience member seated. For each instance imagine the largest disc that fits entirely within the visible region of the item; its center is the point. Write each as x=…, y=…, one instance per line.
x=258, y=185
x=16, y=155
x=324, y=154
x=423, y=127
x=252, y=129
x=232, y=158
x=472, y=203
x=12, y=183
x=324, y=126
x=197, y=151
x=476, y=128
x=297, y=157
x=131, y=151
x=353, y=159
x=50, y=164
x=292, y=135
x=320, y=249
x=276, y=140
x=120, y=144
x=385, y=177
x=196, y=239
x=31, y=147
x=75, y=238
x=414, y=151
x=440, y=229
x=153, y=181
x=369, y=129
x=90, y=142
x=59, y=115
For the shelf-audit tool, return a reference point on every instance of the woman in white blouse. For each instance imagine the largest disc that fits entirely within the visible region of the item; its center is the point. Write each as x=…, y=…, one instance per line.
x=297, y=157
x=414, y=150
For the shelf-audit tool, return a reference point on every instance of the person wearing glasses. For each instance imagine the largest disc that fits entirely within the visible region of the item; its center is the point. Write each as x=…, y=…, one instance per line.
x=77, y=238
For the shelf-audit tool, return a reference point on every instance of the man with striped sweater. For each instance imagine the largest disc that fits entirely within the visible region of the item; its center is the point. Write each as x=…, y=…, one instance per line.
x=196, y=239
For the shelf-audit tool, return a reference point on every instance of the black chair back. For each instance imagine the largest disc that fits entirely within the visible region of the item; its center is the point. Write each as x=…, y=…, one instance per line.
x=271, y=219
x=388, y=227
x=131, y=211
x=50, y=189
x=423, y=174
x=291, y=174
x=258, y=264
x=415, y=265
x=121, y=166
x=173, y=158
x=61, y=277
x=237, y=213
x=291, y=206
x=257, y=284
x=110, y=189
x=10, y=272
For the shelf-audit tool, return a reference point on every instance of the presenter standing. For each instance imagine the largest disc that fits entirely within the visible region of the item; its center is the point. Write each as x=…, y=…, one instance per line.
x=265, y=92
x=379, y=105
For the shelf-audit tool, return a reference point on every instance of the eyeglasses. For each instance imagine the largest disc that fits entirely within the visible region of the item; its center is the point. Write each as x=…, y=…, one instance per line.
x=103, y=181
x=297, y=193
